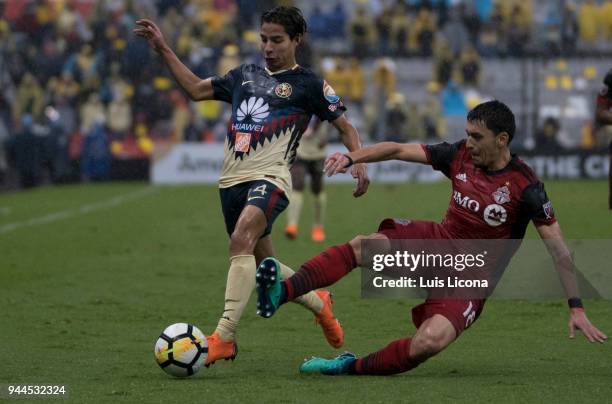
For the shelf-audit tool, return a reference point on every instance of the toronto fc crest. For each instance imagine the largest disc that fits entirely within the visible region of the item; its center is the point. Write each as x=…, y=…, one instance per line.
x=502, y=195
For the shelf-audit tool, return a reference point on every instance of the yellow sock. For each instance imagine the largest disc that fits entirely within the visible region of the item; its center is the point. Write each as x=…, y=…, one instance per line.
x=295, y=207
x=238, y=289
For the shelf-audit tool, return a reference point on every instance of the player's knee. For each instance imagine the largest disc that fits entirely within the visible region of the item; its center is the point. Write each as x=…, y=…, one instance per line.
x=356, y=243
x=427, y=343
x=241, y=243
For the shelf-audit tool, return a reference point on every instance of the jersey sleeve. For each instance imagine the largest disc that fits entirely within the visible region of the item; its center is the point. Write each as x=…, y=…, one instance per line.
x=441, y=155
x=324, y=102
x=223, y=86
x=536, y=204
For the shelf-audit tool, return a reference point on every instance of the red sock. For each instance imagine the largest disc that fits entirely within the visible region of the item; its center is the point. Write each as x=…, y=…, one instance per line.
x=322, y=270
x=394, y=358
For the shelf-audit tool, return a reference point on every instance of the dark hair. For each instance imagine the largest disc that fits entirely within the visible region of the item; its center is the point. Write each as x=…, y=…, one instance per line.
x=496, y=116
x=290, y=18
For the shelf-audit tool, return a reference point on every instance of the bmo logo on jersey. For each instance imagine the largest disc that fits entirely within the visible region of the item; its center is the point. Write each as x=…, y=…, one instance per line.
x=495, y=215
x=466, y=202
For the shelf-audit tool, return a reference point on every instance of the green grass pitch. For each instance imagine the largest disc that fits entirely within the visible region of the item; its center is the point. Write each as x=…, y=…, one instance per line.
x=91, y=274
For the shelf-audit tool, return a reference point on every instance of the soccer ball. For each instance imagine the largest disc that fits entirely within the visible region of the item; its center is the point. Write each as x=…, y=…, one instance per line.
x=181, y=350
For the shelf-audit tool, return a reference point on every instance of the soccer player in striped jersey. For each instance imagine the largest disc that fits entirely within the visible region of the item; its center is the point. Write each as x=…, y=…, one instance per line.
x=271, y=108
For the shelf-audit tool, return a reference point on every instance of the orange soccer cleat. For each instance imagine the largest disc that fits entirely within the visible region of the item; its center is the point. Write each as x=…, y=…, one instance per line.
x=318, y=234
x=330, y=324
x=219, y=349
x=291, y=231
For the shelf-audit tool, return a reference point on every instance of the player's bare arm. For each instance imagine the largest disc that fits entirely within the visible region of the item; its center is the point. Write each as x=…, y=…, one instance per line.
x=195, y=87
x=350, y=138
x=338, y=162
x=553, y=238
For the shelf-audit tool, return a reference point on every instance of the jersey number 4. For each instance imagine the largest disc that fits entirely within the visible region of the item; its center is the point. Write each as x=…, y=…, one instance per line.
x=253, y=193
x=261, y=189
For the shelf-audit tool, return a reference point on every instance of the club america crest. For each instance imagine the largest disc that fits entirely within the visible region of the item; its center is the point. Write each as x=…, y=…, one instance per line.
x=502, y=195
x=283, y=90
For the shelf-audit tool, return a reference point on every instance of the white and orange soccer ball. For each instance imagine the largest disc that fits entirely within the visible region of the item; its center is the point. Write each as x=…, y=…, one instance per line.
x=181, y=350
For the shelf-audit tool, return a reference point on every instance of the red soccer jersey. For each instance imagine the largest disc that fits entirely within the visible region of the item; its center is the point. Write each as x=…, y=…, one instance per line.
x=489, y=204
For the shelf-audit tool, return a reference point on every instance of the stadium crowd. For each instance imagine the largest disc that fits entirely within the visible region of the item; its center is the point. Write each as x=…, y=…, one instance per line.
x=494, y=28
x=77, y=85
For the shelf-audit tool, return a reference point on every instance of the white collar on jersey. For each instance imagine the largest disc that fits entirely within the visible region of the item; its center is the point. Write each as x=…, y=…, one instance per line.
x=281, y=71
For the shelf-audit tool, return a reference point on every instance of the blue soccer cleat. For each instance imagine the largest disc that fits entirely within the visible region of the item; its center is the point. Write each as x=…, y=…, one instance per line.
x=267, y=282
x=340, y=365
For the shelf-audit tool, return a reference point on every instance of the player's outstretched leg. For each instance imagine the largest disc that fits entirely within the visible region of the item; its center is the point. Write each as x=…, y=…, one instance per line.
x=401, y=355
x=320, y=271
x=326, y=268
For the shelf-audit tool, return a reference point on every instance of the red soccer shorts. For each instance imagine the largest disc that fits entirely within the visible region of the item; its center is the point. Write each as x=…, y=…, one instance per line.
x=460, y=312
x=398, y=229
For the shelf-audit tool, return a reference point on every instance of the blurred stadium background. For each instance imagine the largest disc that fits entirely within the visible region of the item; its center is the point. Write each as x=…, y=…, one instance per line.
x=91, y=274
x=81, y=98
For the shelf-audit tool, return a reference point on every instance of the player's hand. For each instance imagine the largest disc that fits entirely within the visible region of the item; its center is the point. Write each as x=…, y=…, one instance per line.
x=360, y=172
x=151, y=32
x=578, y=320
x=335, y=164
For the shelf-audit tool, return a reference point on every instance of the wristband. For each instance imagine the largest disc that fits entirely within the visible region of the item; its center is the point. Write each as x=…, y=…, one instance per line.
x=574, y=303
x=350, y=163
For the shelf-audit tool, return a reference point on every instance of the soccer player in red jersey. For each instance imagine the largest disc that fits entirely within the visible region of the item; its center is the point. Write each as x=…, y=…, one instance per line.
x=495, y=195
x=603, y=121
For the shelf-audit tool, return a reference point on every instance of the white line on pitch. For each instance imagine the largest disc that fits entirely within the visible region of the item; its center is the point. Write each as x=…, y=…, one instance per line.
x=82, y=210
